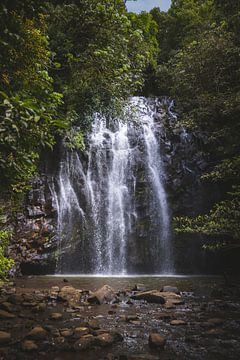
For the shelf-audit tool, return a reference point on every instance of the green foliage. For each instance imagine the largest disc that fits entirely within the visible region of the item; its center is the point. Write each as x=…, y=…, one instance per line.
x=74, y=139
x=101, y=52
x=223, y=220
x=28, y=104
x=204, y=76
x=6, y=264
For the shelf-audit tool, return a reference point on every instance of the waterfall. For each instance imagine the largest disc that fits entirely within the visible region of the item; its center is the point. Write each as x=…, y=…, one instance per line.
x=113, y=214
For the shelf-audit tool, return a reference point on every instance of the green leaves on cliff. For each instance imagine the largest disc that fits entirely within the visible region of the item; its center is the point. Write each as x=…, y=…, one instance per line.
x=6, y=264
x=199, y=66
x=28, y=104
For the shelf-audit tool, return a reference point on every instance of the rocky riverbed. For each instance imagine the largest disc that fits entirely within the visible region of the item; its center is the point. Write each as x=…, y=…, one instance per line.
x=122, y=319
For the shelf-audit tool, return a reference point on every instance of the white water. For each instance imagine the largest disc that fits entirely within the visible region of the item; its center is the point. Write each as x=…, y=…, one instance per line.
x=99, y=213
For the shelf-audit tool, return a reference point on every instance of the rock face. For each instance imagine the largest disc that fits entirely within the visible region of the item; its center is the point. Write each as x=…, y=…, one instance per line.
x=35, y=231
x=35, y=237
x=153, y=296
x=103, y=295
x=156, y=341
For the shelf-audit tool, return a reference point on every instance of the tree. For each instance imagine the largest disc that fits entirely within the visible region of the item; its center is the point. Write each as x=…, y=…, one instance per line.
x=28, y=108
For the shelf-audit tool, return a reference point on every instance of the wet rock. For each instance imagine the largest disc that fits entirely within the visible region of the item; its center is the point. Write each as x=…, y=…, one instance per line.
x=215, y=332
x=156, y=340
x=84, y=343
x=104, y=340
x=35, y=212
x=5, y=337
x=169, y=305
x=164, y=317
x=69, y=293
x=130, y=318
x=103, y=295
x=40, y=307
x=172, y=289
x=6, y=315
x=215, y=322
x=80, y=331
x=15, y=299
x=139, y=287
x=29, y=345
x=66, y=332
x=7, y=306
x=171, y=296
x=55, y=316
x=141, y=357
x=178, y=322
x=94, y=324
x=153, y=296
x=37, y=333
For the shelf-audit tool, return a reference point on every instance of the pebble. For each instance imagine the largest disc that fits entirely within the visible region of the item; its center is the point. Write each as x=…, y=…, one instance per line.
x=156, y=340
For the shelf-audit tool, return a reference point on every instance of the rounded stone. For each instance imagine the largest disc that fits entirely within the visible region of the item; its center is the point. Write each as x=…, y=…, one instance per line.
x=29, y=345
x=156, y=340
x=5, y=337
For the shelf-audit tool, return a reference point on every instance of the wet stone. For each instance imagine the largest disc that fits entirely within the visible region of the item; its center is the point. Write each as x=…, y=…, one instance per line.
x=153, y=296
x=178, y=322
x=215, y=321
x=55, y=316
x=80, y=331
x=172, y=289
x=66, y=332
x=84, y=343
x=105, y=339
x=103, y=295
x=94, y=324
x=29, y=345
x=37, y=333
x=5, y=337
x=6, y=315
x=156, y=340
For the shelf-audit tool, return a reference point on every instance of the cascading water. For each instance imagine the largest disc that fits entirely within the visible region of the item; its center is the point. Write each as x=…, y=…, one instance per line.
x=113, y=215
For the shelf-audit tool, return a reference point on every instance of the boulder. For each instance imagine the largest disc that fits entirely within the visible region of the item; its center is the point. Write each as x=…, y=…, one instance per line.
x=103, y=295
x=5, y=337
x=7, y=306
x=80, y=331
x=215, y=322
x=29, y=345
x=156, y=341
x=153, y=296
x=69, y=293
x=93, y=323
x=178, y=322
x=55, y=316
x=84, y=343
x=172, y=289
x=66, y=332
x=6, y=315
x=139, y=287
x=37, y=333
x=104, y=340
